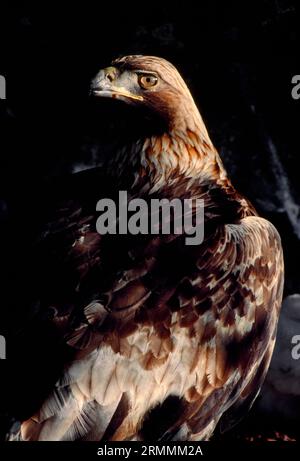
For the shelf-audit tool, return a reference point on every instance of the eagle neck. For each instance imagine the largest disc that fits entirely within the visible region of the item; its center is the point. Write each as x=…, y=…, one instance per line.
x=180, y=155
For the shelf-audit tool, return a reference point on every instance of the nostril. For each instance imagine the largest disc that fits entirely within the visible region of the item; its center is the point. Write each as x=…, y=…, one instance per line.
x=109, y=76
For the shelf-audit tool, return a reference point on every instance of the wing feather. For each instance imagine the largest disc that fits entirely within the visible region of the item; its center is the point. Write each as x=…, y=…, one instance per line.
x=190, y=322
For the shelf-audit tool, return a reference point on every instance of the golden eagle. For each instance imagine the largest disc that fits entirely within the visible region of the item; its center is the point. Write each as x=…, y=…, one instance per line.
x=166, y=340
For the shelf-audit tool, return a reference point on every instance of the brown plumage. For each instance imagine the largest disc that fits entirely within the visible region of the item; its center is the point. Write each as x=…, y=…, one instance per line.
x=167, y=339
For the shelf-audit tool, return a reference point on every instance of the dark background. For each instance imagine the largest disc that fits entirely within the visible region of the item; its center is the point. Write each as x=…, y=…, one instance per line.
x=238, y=59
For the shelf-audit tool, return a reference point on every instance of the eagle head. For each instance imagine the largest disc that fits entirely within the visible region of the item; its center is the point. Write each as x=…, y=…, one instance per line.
x=150, y=82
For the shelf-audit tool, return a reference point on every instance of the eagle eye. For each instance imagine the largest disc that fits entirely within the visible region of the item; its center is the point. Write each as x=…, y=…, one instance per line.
x=147, y=81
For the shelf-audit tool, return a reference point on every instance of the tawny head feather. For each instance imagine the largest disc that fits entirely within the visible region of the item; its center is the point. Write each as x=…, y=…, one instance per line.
x=152, y=82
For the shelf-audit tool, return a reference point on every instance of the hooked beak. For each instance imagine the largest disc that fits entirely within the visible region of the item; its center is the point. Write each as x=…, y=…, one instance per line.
x=106, y=85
